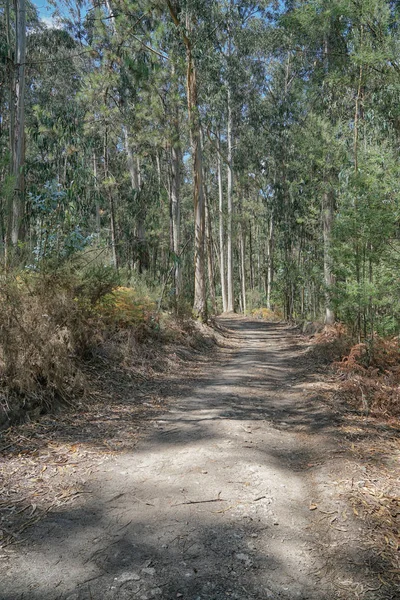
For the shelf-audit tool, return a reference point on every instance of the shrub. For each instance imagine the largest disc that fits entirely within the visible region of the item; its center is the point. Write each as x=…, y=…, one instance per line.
x=50, y=322
x=266, y=314
x=36, y=346
x=123, y=308
x=371, y=377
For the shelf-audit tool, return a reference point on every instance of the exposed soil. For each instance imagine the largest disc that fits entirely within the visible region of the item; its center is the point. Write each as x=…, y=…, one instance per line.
x=238, y=477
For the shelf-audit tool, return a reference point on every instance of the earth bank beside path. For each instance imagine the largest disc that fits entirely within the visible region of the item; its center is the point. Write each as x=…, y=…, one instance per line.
x=237, y=491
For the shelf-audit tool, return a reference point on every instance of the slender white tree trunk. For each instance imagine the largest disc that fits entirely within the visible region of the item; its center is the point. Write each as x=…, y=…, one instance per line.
x=221, y=230
x=96, y=186
x=175, y=188
x=210, y=258
x=135, y=177
x=243, y=269
x=18, y=133
x=113, y=229
x=327, y=220
x=231, y=302
x=270, y=256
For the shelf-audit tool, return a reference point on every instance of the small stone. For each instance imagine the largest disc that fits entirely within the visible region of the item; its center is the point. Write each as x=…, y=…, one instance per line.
x=244, y=558
x=156, y=592
x=127, y=576
x=149, y=570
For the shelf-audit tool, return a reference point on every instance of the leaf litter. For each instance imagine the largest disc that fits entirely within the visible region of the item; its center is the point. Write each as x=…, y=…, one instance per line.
x=47, y=463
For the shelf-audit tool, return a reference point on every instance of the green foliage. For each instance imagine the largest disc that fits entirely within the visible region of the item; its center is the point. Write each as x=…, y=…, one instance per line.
x=56, y=224
x=313, y=98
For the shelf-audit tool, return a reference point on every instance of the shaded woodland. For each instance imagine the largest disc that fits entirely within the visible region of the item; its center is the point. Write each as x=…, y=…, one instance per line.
x=192, y=157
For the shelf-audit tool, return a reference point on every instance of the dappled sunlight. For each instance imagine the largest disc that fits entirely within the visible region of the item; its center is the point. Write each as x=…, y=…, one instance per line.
x=225, y=496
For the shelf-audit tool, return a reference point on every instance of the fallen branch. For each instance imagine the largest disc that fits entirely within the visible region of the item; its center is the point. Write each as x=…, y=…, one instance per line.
x=142, y=501
x=201, y=501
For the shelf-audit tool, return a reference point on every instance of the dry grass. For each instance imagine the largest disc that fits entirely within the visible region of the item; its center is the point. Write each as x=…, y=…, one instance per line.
x=266, y=314
x=52, y=325
x=369, y=374
x=371, y=377
x=332, y=343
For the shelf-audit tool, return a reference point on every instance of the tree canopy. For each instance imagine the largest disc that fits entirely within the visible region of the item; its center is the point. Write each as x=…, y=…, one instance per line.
x=233, y=154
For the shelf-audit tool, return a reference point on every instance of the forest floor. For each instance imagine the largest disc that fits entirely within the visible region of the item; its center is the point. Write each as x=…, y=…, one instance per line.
x=240, y=476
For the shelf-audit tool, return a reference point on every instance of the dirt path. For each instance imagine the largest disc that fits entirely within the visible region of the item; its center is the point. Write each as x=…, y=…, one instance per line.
x=232, y=493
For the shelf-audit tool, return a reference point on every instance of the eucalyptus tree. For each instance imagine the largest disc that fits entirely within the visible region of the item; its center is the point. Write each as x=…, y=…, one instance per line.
x=183, y=18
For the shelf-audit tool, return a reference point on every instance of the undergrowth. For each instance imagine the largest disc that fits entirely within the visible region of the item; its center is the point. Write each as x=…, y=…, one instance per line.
x=371, y=377
x=267, y=314
x=52, y=323
x=369, y=371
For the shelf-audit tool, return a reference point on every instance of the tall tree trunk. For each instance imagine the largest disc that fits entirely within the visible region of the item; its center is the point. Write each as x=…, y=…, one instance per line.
x=11, y=102
x=113, y=232
x=243, y=268
x=96, y=187
x=135, y=177
x=18, y=133
x=221, y=230
x=200, y=301
x=200, y=297
x=357, y=116
x=327, y=219
x=210, y=257
x=231, y=301
x=251, y=265
x=270, y=257
x=175, y=187
x=141, y=222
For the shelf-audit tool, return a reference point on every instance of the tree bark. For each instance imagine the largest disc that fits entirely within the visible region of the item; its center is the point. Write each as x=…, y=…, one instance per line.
x=18, y=132
x=243, y=268
x=210, y=257
x=231, y=301
x=135, y=177
x=200, y=298
x=270, y=256
x=327, y=219
x=113, y=232
x=221, y=230
x=175, y=188
x=96, y=186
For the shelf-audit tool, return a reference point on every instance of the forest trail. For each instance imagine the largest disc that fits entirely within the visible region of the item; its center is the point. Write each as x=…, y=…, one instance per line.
x=229, y=494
